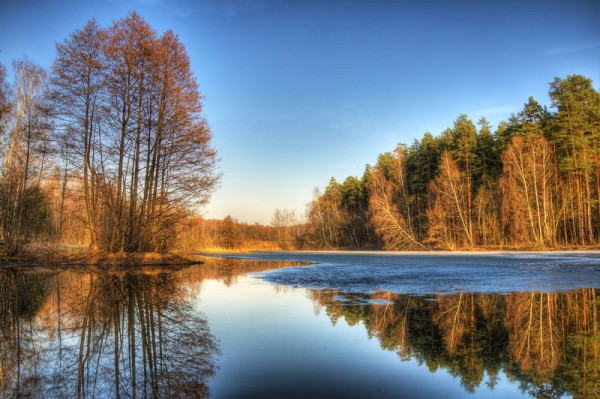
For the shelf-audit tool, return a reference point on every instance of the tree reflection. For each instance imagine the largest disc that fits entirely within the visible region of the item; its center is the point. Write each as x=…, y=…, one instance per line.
x=547, y=342
x=228, y=270
x=21, y=298
x=66, y=333
x=80, y=334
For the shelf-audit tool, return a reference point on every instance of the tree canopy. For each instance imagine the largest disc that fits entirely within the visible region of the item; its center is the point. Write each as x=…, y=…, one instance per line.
x=113, y=139
x=534, y=182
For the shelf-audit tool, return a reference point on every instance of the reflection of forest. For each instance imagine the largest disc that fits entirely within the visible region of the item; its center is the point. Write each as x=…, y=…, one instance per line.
x=66, y=333
x=547, y=342
x=81, y=334
x=228, y=270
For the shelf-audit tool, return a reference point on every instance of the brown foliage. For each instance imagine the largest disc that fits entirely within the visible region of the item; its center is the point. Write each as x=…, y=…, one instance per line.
x=450, y=222
x=529, y=185
x=133, y=123
x=390, y=216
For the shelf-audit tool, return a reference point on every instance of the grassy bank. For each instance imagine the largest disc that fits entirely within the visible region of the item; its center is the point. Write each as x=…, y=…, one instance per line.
x=43, y=255
x=49, y=256
x=245, y=247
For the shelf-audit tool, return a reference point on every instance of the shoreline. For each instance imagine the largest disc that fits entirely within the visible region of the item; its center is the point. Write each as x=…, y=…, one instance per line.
x=411, y=253
x=462, y=252
x=103, y=260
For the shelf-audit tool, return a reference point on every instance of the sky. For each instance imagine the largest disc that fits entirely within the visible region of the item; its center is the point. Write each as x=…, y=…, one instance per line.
x=297, y=92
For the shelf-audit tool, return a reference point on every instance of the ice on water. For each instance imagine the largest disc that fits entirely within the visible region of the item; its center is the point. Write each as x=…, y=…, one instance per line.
x=435, y=273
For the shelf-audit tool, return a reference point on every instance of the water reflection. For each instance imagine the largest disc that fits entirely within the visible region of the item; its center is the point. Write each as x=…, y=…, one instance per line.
x=548, y=343
x=83, y=333
x=228, y=270
x=80, y=334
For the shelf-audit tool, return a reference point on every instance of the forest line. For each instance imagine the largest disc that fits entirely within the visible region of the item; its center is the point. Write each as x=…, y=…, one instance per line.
x=534, y=183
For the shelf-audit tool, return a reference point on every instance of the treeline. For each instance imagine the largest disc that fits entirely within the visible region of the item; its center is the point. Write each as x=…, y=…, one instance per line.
x=109, y=148
x=285, y=232
x=534, y=182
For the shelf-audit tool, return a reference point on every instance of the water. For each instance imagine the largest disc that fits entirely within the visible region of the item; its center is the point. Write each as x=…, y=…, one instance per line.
x=432, y=273
x=351, y=326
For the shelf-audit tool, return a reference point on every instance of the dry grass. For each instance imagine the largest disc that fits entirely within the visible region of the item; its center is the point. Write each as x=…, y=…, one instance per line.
x=71, y=255
x=243, y=248
x=49, y=255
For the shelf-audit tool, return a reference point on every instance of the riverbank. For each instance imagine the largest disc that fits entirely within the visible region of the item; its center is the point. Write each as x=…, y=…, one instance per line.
x=273, y=247
x=50, y=256
x=594, y=250
x=47, y=256
x=555, y=251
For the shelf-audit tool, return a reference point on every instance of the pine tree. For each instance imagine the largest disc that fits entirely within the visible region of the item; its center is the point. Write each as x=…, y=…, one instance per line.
x=576, y=135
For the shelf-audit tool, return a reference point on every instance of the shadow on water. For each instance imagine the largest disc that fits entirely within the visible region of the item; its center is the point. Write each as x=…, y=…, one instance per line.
x=547, y=343
x=81, y=334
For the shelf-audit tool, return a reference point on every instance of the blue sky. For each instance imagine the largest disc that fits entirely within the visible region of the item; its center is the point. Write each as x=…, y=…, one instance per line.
x=299, y=91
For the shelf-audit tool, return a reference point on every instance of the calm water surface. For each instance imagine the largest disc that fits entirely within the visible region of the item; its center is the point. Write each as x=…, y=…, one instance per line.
x=350, y=326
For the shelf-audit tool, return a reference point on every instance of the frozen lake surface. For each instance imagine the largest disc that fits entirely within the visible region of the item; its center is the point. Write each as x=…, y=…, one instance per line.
x=315, y=325
x=433, y=273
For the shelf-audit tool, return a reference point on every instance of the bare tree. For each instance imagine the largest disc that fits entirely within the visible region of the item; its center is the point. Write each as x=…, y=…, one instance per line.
x=529, y=188
x=146, y=155
x=449, y=219
x=23, y=209
x=77, y=81
x=390, y=206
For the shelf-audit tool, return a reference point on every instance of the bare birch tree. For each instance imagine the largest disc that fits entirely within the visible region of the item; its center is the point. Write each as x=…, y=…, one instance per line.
x=449, y=219
x=23, y=211
x=529, y=186
x=390, y=206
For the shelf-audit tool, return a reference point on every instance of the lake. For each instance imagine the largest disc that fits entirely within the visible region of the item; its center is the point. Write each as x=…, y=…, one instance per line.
x=307, y=325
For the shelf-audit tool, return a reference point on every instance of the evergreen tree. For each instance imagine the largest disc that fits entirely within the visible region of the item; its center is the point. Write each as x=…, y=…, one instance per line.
x=576, y=135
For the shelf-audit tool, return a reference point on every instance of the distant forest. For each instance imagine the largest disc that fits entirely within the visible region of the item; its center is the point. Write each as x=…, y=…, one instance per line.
x=534, y=182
